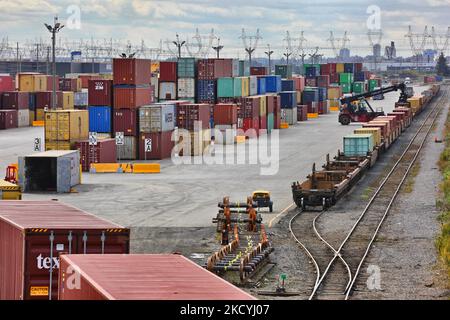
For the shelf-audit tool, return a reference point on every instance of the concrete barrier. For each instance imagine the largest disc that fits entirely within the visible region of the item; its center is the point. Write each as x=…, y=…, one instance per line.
x=105, y=168
x=313, y=115
x=38, y=123
x=146, y=168
x=284, y=125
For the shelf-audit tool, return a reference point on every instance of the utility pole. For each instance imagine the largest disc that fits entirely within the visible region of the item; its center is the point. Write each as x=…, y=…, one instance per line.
x=37, y=57
x=179, y=44
x=218, y=48
x=17, y=57
x=250, y=43
x=269, y=54
x=48, y=60
x=287, y=54
x=54, y=30
x=314, y=55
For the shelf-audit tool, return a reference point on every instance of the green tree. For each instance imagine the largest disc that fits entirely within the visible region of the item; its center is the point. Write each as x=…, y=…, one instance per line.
x=442, y=68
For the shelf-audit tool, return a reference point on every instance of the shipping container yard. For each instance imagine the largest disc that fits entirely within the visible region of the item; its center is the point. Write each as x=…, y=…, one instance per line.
x=203, y=174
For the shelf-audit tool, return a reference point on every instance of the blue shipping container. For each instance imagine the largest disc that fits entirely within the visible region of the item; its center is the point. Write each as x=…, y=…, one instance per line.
x=100, y=119
x=261, y=85
x=310, y=95
x=323, y=93
x=287, y=85
x=312, y=72
x=288, y=99
x=360, y=76
x=206, y=89
x=32, y=101
x=273, y=84
x=349, y=68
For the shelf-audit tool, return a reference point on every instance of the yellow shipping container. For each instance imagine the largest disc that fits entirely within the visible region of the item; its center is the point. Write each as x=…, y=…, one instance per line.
x=263, y=105
x=58, y=145
x=68, y=100
x=245, y=86
x=376, y=132
x=415, y=102
x=340, y=68
x=40, y=113
x=334, y=93
x=9, y=191
x=66, y=125
x=154, y=68
x=299, y=97
x=30, y=82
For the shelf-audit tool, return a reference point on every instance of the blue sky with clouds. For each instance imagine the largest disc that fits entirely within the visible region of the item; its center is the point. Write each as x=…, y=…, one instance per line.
x=152, y=20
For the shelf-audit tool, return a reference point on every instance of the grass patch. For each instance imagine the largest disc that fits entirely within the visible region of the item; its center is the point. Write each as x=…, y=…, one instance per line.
x=367, y=193
x=409, y=184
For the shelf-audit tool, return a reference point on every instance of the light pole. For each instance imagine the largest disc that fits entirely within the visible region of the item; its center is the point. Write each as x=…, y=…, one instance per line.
x=54, y=30
x=269, y=53
x=218, y=48
x=179, y=45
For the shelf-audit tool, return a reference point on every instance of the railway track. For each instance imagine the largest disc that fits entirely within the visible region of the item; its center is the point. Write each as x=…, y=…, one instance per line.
x=337, y=269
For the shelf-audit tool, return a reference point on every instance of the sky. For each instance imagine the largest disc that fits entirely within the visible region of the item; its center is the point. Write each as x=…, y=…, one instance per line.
x=152, y=20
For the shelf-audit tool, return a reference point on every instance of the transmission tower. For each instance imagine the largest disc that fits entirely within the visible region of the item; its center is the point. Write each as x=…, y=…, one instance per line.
x=201, y=44
x=417, y=42
x=250, y=43
x=338, y=44
x=440, y=41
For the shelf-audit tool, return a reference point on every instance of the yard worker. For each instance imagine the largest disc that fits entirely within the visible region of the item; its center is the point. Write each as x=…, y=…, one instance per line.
x=225, y=239
x=252, y=219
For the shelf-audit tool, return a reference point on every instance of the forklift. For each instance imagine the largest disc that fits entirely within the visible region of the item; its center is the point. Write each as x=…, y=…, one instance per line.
x=357, y=109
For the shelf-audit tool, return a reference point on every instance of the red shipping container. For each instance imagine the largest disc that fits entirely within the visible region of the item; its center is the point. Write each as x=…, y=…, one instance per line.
x=299, y=83
x=313, y=107
x=277, y=104
x=161, y=145
x=6, y=83
x=126, y=121
x=50, y=83
x=225, y=114
x=103, y=152
x=334, y=78
x=270, y=100
x=9, y=119
x=85, y=79
x=205, y=69
x=68, y=85
x=226, y=69
x=25, y=258
x=167, y=71
x=277, y=120
x=302, y=113
x=15, y=100
x=132, y=71
x=358, y=67
x=44, y=99
x=323, y=81
x=188, y=114
x=263, y=123
x=100, y=93
x=132, y=97
x=250, y=107
x=258, y=71
x=311, y=82
x=226, y=100
x=251, y=123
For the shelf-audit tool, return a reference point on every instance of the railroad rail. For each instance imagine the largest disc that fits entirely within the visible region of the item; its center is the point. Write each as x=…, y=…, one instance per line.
x=344, y=264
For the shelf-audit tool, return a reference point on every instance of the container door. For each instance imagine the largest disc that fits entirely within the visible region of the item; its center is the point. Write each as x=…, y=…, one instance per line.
x=42, y=263
x=114, y=241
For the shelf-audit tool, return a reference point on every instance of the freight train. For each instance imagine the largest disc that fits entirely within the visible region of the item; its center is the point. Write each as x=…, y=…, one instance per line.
x=325, y=187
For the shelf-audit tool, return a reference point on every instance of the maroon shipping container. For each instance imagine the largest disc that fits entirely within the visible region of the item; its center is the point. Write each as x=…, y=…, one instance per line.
x=188, y=114
x=44, y=99
x=358, y=67
x=6, y=83
x=327, y=69
x=225, y=69
x=225, y=114
x=271, y=100
x=302, y=113
x=126, y=121
x=50, y=83
x=205, y=69
x=258, y=71
x=34, y=233
x=334, y=78
x=9, y=119
x=103, y=152
x=323, y=81
x=142, y=277
x=132, y=97
x=277, y=120
x=161, y=145
x=263, y=123
x=250, y=107
x=68, y=85
x=251, y=123
x=226, y=100
x=311, y=82
x=15, y=100
x=167, y=71
x=210, y=69
x=132, y=71
x=313, y=107
x=100, y=93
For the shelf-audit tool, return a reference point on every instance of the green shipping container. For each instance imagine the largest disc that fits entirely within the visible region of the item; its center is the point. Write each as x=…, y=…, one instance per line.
x=359, y=87
x=373, y=84
x=345, y=78
x=285, y=71
x=346, y=88
x=307, y=65
x=225, y=88
x=270, y=122
x=244, y=68
x=358, y=145
x=186, y=68
x=237, y=87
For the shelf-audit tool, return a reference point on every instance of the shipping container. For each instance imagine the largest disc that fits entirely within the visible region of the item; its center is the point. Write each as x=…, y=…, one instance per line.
x=44, y=99
x=206, y=91
x=270, y=122
x=100, y=93
x=66, y=125
x=253, y=85
x=68, y=100
x=346, y=87
x=237, y=87
x=287, y=85
x=131, y=71
x=100, y=119
x=376, y=132
x=302, y=113
x=285, y=71
x=263, y=122
x=15, y=100
x=157, y=118
x=311, y=72
x=225, y=114
x=32, y=117
x=159, y=145
x=192, y=143
x=288, y=99
x=31, y=82
x=189, y=114
x=346, y=78
x=34, y=233
x=182, y=279
x=262, y=106
x=323, y=81
x=81, y=99
x=299, y=83
x=258, y=71
x=274, y=84
x=6, y=83
x=167, y=71
x=186, y=68
x=103, y=152
x=23, y=118
x=129, y=149
x=186, y=88
x=225, y=134
x=126, y=121
x=334, y=92
x=67, y=84
x=49, y=80
x=244, y=68
x=349, y=68
x=359, y=87
x=261, y=85
x=270, y=103
x=245, y=86
x=289, y=116
x=225, y=87
x=358, y=145
x=40, y=114
x=249, y=124
x=8, y=119
x=250, y=107
x=384, y=129
x=32, y=101
x=340, y=68
x=130, y=97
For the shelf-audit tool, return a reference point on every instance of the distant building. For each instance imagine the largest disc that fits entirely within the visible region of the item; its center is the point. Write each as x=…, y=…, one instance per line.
x=344, y=54
x=377, y=50
x=429, y=55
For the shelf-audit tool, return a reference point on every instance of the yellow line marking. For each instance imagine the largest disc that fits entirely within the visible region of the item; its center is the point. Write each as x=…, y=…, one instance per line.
x=285, y=210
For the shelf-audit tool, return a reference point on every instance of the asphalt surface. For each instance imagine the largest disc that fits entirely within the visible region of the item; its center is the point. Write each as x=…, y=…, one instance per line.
x=187, y=195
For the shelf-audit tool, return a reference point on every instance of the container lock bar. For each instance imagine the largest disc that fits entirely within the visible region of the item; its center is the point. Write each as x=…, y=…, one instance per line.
x=103, y=238
x=70, y=238
x=84, y=242
x=52, y=238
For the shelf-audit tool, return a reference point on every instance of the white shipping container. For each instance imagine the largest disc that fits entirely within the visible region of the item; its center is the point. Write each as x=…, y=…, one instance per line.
x=81, y=99
x=24, y=118
x=167, y=91
x=289, y=116
x=186, y=88
x=157, y=118
x=235, y=70
x=253, y=85
x=154, y=81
